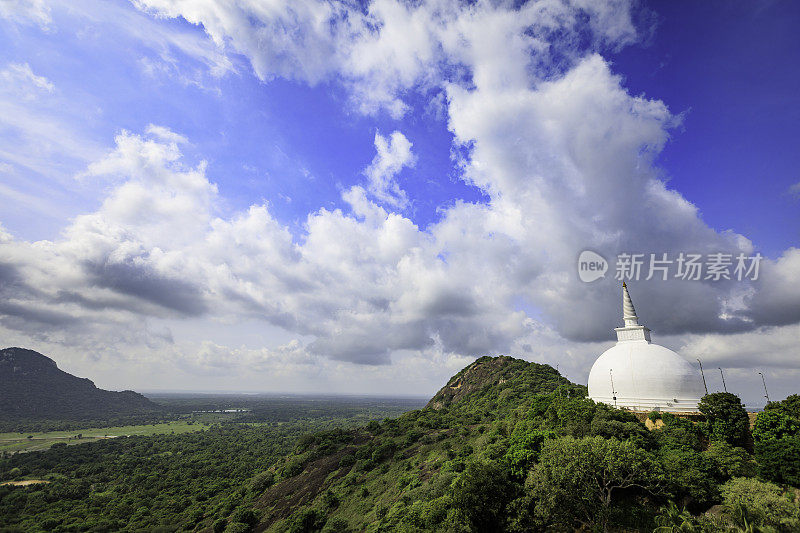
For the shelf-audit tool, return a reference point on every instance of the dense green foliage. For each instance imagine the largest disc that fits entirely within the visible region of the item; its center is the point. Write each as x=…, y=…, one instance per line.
x=493, y=452
x=167, y=482
x=726, y=417
x=480, y=496
x=506, y=445
x=776, y=441
x=790, y=406
x=756, y=502
x=579, y=480
x=140, y=482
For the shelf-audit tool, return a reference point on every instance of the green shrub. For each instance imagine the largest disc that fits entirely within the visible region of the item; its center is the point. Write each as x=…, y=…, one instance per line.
x=294, y=466
x=307, y=521
x=245, y=516
x=730, y=461
x=764, y=504
x=237, y=527
x=330, y=501
x=306, y=441
x=384, y=451
x=779, y=460
x=726, y=417
x=680, y=433
x=262, y=482
x=524, y=447
x=577, y=480
x=690, y=476
x=435, y=511
x=774, y=424
x=790, y=406
x=336, y=525
x=672, y=520
x=481, y=494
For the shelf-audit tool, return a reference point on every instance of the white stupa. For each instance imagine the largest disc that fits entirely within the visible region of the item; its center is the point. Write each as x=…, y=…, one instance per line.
x=642, y=376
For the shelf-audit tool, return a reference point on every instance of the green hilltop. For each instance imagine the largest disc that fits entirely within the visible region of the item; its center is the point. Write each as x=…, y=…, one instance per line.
x=509, y=445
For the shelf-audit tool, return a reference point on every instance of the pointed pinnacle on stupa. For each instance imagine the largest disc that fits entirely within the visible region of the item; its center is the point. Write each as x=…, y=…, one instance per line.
x=628, y=311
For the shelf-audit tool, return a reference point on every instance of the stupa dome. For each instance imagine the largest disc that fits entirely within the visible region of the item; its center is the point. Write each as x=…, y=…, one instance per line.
x=642, y=376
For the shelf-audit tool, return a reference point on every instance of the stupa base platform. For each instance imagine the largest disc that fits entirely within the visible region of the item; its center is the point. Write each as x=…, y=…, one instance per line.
x=646, y=405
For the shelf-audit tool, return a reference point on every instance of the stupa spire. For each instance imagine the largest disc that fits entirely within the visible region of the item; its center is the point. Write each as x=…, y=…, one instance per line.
x=628, y=311
x=632, y=330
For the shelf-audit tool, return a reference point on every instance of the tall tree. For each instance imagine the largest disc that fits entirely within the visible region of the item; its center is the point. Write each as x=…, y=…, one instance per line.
x=581, y=478
x=726, y=417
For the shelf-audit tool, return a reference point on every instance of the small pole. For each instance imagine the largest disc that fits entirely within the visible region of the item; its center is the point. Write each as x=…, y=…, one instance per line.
x=766, y=393
x=723, y=379
x=611, y=373
x=704, y=376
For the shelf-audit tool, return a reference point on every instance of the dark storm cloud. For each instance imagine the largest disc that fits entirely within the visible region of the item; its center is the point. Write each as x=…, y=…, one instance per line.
x=12, y=283
x=371, y=343
x=27, y=317
x=667, y=307
x=451, y=303
x=144, y=283
x=781, y=312
x=776, y=300
x=474, y=338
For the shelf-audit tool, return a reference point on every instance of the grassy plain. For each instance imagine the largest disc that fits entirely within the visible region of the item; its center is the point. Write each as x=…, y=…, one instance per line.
x=32, y=441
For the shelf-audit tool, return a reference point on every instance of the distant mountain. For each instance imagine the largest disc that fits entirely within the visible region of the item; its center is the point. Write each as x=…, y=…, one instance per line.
x=33, y=387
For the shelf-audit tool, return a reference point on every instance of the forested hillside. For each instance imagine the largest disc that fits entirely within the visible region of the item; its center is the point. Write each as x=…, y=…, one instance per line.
x=34, y=388
x=506, y=445
x=171, y=482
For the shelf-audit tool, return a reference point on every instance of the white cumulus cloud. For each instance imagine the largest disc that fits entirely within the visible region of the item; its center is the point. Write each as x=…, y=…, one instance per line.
x=393, y=154
x=562, y=151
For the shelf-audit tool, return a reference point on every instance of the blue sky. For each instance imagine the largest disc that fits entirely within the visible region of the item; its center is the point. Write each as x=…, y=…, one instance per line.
x=284, y=142
x=170, y=178
x=725, y=67
x=728, y=67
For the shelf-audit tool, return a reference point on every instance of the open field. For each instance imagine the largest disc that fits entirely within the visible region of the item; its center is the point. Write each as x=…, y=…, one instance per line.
x=25, y=482
x=31, y=441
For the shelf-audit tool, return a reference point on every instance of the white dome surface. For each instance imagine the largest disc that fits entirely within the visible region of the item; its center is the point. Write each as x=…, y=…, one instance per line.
x=646, y=377
x=642, y=376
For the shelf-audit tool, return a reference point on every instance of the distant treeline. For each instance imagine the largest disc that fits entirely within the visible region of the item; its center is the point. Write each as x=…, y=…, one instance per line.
x=23, y=425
